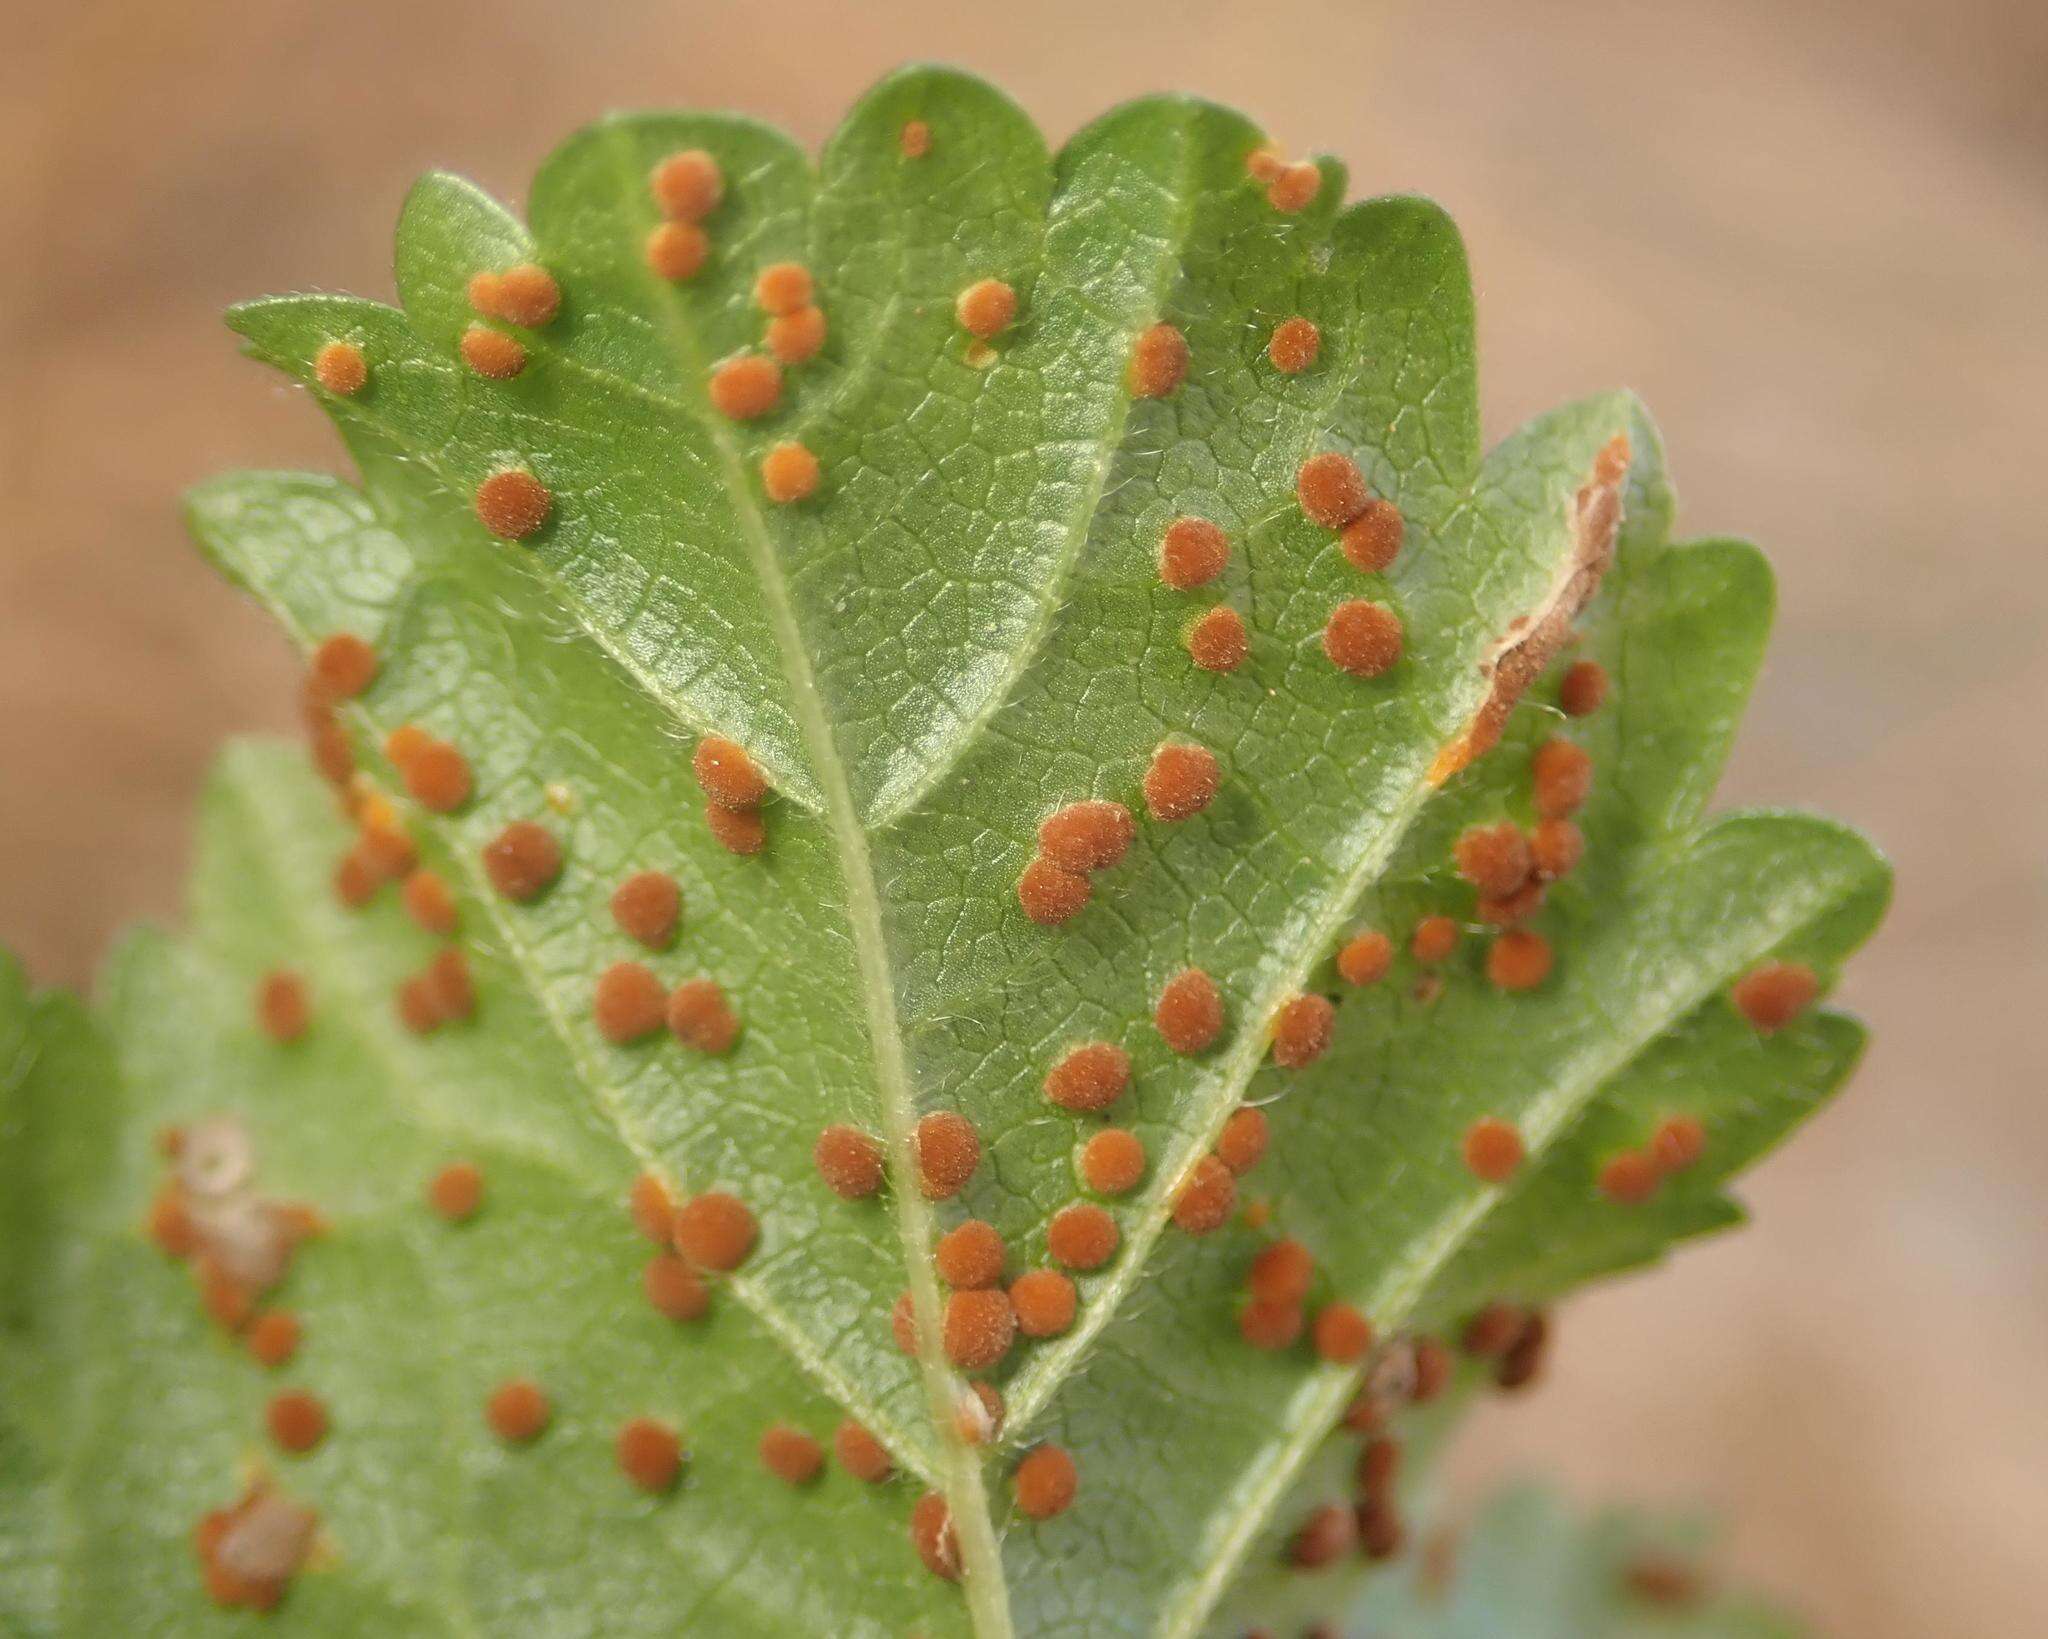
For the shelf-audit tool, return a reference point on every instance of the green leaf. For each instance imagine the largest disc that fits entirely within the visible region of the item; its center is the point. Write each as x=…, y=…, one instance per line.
x=961, y=631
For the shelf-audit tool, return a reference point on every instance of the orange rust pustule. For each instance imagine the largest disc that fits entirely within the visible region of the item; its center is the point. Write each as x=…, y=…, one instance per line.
x=1192, y=552
x=273, y=1337
x=687, y=185
x=1218, y=641
x=1492, y=1150
x=527, y=295
x=673, y=1288
x=1495, y=859
x=629, y=1003
x=948, y=1151
x=1046, y=1482
x=715, y=1231
x=933, y=1536
x=1331, y=489
x=651, y=1208
x=789, y=473
x=796, y=338
x=746, y=388
x=1434, y=939
x=1189, y=1012
x=1520, y=959
x=282, y=1007
x=340, y=369
x=978, y=1414
x=790, y=1454
x=1159, y=362
x=1113, y=1162
x=1555, y=848
x=1050, y=893
x=1380, y=1531
x=1181, y=781
x=449, y=986
x=491, y=353
x=1492, y=1331
x=850, y=1162
x=1087, y=836
x=727, y=774
x=861, y=1454
x=1281, y=1273
x=903, y=1324
x=1772, y=994
x=1091, y=1077
x=736, y=830
x=1206, y=1197
x=430, y=903
x=1583, y=689
x=518, y=1411
x=783, y=287
x=914, y=141
x=985, y=308
x=513, y=504
x=1082, y=1236
x=1523, y=1362
x=1629, y=1178
x=437, y=776
x=170, y=1224
x=456, y=1192
x=1678, y=1143
x=1270, y=1326
x=979, y=1328
x=1518, y=906
x=1302, y=1031
x=648, y=1453
x=1295, y=187
x=1666, y=1583
x=341, y=667
x=1562, y=776
x=250, y=1552
x=522, y=860
x=1044, y=1301
x=1372, y=540
x=646, y=907
x=970, y=1256
x=676, y=251
x=1363, y=638
x=1241, y=1145
x=1433, y=1368
x=1262, y=164
x=332, y=755
x=1294, y=345
x=1365, y=958
x=297, y=1420
x=1326, y=1536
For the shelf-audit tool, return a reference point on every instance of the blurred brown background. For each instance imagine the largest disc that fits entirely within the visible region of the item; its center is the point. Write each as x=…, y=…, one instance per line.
x=1816, y=238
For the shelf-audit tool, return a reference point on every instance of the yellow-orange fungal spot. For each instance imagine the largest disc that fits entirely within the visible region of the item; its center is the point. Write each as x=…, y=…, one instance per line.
x=789, y=473
x=727, y=773
x=1046, y=1482
x=687, y=185
x=273, y=1337
x=1495, y=859
x=1218, y=641
x=297, y=1420
x=1258, y=1214
x=522, y=860
x=1519, y=960
x=406, y=742
x=1555, y=848
x=1044, y=1301
x=849, y=1161
x=1492, y=1150
x=1380, y=1531
x=1087, y=836
x=1433, y=1368
x=903, y=1324
x=1493, y=1330
x=340, y=369
x=978, y=1414
x=450, y=988
x=429, y=902
x=1241, y=1145
x=970, y=1255
x=1092, y=1077
x=1678, y=1143
x=1189, y=1013
x=1113, y=1162
x=249, y=1553
x=676, y=251
x=948, y=1151
x=715, y=1231
x=1270, y=1326
x=1379, y=1464
x=648, y=1453
x=1281, y=1273
x=341, y=668
x=1372, y=540
x=386, y=850
x=1050, y=893
x=673, y=1288
x=933, y=1536
x=1434, y=939
x=1363, y=638
x=979, y=1328
x=1159, y=362
x=790, y=1454
x=1331, y=489
x=456, y=1192
x=1524, y=1362
x=1629, y=1178
x=1294, y=346
x=1302, y=1030
x=437, y=776
x=1342, y=1334
x=1181, y=781
x=517, y=1411
x=1773, y=994
x=1192, y=552
x=700, y=1016
x=528, y=295
x=861, y=1454
x=482, y=293
x=1562, y=775
x=1365, y=958
x=332, y=755
x=796, y=338
x=513, y=504
x=1326, y=1536
x=282, y=1009
x=491, y=353
x=414, y=1001
x=652, y=1208
x=646, y=906
x=228, y=1303
x=1082, y=1236
x=985, y=308
x=1205, y=1198
x=1296, y=187
x=1264, y=164
x=782, y=287
x=914, y=141
x=736, y=830
x=1584, y=688
x=746, y=388
x=170, y=1224
x=629, y=1003
x=1665, y=1583
x=1518, y=906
